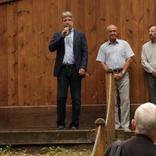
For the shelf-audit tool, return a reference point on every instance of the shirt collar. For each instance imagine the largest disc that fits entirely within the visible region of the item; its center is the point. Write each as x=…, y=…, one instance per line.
x=71, y=31
x=113, y=43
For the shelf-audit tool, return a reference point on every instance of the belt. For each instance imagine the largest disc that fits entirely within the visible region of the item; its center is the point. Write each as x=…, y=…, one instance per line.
x=118, y=70
x=68, y=65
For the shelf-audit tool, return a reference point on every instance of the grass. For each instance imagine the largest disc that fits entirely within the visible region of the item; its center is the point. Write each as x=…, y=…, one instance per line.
x=5, y=150
x=70, y=150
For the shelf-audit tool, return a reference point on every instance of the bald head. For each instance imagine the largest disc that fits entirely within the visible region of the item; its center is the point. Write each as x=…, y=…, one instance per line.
x=112, y=32
x=111, y=26
x=153, y=27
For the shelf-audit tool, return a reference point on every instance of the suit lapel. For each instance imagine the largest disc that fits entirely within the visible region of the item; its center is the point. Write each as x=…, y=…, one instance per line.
x=74, y=40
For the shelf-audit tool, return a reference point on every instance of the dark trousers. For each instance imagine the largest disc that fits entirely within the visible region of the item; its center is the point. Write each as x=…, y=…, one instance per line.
x=68, y=77
x=151, y=87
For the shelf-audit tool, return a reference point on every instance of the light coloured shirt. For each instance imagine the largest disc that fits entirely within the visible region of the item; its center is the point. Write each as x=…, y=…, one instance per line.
x=148, y=56
x=114, y=55
x=69, y=53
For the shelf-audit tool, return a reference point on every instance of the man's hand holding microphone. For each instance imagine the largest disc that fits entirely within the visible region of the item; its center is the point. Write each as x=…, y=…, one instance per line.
x=65, y=31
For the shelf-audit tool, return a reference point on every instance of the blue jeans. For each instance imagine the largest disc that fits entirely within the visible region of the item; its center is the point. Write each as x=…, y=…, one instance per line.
x=68, y=77
x=151, y=87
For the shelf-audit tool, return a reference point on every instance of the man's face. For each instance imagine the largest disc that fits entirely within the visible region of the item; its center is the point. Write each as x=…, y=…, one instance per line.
x=67, y=21
x=112, y=32
x=152, y=32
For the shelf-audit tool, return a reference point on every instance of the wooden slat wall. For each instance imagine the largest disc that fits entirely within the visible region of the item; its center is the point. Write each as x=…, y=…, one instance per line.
x=26, y=27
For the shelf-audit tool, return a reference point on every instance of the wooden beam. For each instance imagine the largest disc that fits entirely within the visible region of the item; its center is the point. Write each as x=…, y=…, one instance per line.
x=44, y=117
x=47, y=137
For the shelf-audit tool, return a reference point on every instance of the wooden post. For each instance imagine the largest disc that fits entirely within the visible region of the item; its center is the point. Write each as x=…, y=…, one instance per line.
x=110, y=106
x=100, y=141
x=105, y=129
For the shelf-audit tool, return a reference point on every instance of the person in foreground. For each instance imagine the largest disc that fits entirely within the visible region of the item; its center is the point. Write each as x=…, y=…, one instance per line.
x=115, y=56
x=144, y=123
x=70, y=67
x=148, y=61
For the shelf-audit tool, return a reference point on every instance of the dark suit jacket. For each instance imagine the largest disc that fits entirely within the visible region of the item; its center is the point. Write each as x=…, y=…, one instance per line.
x=140, y=145
x=114, y=149
x=80, y=49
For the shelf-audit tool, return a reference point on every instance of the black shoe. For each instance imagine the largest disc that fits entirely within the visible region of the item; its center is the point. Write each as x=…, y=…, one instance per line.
x=60, y=127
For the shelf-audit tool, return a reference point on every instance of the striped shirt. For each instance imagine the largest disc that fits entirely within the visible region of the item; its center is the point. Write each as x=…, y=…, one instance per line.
x=69, y=54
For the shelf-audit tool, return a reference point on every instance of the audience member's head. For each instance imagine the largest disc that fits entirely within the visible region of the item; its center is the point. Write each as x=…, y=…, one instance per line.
x=144, y=120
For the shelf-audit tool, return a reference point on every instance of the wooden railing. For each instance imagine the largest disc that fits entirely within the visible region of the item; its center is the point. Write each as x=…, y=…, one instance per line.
x=105, y=129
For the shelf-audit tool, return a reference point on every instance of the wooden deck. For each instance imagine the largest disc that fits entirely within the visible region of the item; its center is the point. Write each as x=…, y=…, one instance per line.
x=36, y=125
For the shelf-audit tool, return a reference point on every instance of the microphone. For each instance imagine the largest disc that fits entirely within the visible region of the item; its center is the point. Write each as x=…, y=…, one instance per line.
x=67, y=29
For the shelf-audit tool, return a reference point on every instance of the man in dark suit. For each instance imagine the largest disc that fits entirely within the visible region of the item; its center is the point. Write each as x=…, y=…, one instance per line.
x=70, y=67
x=144, y=123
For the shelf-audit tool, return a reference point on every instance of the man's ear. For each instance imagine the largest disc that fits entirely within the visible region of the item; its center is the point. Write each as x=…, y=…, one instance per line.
x=133, y=123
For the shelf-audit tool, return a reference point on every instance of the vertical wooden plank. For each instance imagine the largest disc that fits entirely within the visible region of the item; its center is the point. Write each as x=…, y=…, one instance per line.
x=12, y=54
x=149, y=13
x=137, y=68
x=48, y=81
x=38, y=60
x=90, y=30
x=3, y=56
x=25, y=48
x=101, y=23
x=77, y=8
x=50, y=24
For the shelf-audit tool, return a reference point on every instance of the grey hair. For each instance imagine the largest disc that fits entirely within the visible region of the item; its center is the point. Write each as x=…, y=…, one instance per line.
x=145, y=117
x=66, y=14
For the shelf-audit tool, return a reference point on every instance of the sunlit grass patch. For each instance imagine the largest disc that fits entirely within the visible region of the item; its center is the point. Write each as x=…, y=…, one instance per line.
x=67, y=150
x=62, y=151
x=52, y=150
